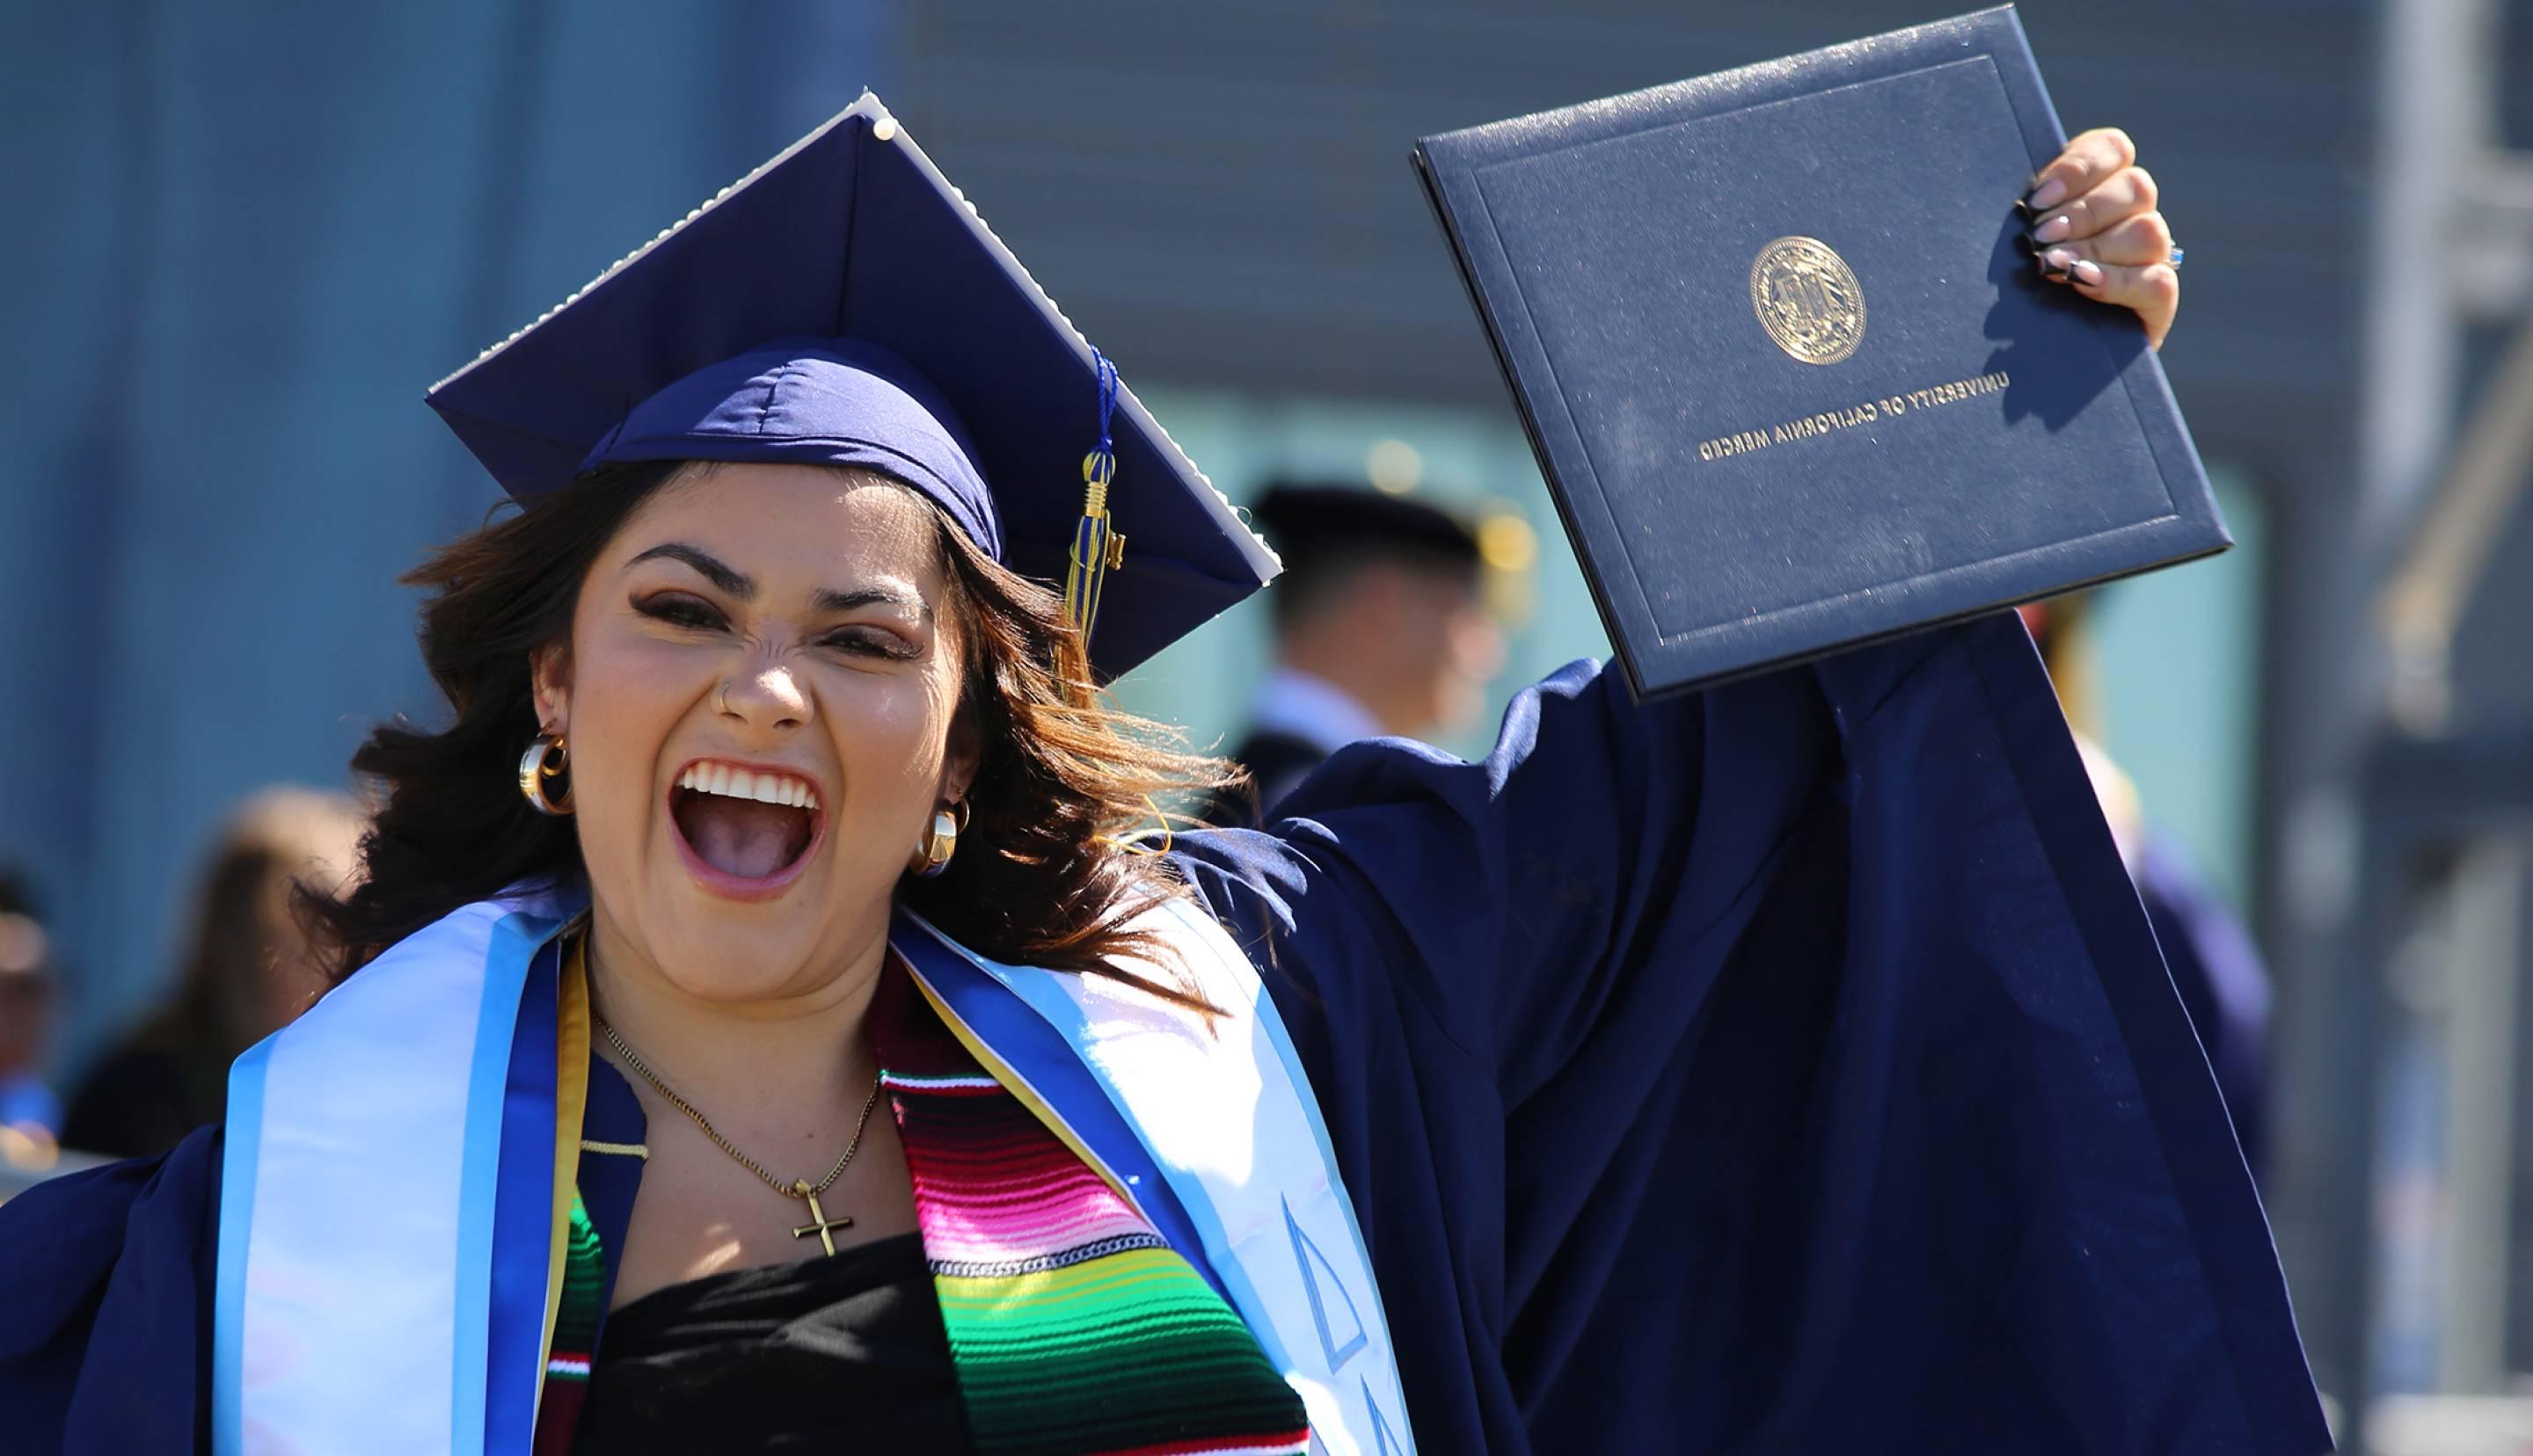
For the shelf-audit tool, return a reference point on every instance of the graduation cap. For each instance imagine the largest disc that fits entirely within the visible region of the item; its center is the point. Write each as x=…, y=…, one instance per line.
x=845, y=305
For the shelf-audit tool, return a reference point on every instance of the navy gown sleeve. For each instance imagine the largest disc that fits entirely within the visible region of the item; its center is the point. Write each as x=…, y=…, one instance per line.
x=106, y=1306
x=1786, y=1068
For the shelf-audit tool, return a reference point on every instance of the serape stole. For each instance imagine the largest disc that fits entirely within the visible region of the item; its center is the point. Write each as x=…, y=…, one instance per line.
x=575, y=1335
x=1074, y=1326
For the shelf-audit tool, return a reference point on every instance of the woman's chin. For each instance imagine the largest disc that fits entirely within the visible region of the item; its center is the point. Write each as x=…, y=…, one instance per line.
x=724, y=947
x=736, y=964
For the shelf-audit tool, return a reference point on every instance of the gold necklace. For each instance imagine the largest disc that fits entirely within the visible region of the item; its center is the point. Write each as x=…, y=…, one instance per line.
x=799, y=1187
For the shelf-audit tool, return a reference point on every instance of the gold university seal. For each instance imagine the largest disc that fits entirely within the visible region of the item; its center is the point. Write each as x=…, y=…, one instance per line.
x=1807, y=299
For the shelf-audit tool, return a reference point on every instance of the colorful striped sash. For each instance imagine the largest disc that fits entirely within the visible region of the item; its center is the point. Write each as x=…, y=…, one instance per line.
x=575, y=1335
x=1073, y=1325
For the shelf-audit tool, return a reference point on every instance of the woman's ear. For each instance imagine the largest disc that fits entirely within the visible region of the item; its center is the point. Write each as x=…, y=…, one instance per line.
x=966, y=749
x=550, y=687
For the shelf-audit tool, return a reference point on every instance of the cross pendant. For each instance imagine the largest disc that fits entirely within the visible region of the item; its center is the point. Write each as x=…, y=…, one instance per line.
x=819, y=1223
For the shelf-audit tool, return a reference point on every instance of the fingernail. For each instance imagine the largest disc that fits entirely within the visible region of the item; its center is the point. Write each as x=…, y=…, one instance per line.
x=2055, y=230
x=2023, y=241
x=2059, y=259
x=2051, y=194
x=2088, y=272
x=2054, y=274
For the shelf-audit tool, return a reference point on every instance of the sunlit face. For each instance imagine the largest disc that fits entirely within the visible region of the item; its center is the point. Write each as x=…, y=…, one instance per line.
x=760, y=700
x=1430, y=642
x=1467, y=647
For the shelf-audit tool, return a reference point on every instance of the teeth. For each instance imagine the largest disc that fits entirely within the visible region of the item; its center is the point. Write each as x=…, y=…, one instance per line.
x=764, y=788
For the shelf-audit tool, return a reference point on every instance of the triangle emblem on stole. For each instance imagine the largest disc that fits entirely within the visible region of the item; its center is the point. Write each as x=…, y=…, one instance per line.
x=1342, y=1338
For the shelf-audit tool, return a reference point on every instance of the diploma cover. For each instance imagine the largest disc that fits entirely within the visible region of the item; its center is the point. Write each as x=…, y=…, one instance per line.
x=1794, y=380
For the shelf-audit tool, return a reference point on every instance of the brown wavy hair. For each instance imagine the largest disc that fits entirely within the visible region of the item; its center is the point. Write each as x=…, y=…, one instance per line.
x=1040, y=877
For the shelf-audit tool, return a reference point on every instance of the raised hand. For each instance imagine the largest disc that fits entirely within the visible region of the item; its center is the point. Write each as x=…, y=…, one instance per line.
x=2096, y=227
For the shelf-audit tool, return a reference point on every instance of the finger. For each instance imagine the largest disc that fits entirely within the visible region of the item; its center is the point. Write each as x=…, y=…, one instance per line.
x=2132, y=244
x=2116, y=198
x=2088, y=159
x=2151, y=292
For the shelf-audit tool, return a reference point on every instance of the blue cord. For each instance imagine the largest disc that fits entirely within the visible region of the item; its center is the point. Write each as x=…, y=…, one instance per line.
x=1107, y=401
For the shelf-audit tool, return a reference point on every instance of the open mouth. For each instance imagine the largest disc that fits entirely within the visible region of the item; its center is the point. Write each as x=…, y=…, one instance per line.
x=744, y=832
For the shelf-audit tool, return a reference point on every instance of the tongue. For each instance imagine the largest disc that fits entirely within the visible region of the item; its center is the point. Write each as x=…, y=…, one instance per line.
x=738, y=837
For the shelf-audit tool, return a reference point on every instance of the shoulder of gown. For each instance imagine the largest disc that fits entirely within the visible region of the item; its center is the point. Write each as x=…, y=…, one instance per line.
x=1783, y=1067
x=105, y=1304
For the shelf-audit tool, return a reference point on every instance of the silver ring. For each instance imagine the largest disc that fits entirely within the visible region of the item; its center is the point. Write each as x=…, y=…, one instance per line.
x=721, y=698
x=2175, y=258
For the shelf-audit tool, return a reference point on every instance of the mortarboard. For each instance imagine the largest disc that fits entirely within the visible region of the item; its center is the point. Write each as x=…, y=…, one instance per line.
x=844, y=304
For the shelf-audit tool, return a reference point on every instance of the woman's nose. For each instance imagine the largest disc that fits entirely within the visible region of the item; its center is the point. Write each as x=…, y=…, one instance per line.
x=769, y=698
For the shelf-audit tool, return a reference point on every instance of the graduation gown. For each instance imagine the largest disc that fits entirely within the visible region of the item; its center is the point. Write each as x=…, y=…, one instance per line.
x=1786, y=1068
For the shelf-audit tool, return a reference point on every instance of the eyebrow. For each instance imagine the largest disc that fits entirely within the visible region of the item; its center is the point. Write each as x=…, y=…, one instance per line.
x=829, y=599
x=712, y=568
x=737, y=583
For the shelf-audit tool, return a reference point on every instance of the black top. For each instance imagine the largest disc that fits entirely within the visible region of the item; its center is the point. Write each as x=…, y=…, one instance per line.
x=834, y=1355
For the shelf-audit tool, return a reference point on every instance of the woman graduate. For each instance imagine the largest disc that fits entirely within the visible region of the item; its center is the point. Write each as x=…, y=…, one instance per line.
x=1784, y=1069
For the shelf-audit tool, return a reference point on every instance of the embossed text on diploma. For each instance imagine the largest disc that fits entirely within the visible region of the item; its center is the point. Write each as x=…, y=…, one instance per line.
x=1868, y=412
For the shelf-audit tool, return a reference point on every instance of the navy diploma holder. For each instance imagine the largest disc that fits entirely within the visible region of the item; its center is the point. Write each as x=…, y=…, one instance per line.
x=1795, y=382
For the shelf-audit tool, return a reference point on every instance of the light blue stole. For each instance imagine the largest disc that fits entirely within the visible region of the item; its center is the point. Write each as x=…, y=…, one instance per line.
x=387, y=1196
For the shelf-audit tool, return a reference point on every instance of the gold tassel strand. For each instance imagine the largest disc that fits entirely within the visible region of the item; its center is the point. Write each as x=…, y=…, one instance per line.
x=1098, y=546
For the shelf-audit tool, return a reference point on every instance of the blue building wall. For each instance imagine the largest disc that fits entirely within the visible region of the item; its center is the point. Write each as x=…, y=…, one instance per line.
x=244, y=239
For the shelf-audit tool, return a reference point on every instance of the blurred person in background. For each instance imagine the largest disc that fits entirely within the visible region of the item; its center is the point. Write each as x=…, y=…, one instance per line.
x=28, y=991
x=1382, y=630
x=2215, y=966
x=27, y=995
x=250, y=966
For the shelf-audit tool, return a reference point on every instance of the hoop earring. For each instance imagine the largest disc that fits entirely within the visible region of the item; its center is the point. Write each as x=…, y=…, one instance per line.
x=545, y=759
x=940, y=843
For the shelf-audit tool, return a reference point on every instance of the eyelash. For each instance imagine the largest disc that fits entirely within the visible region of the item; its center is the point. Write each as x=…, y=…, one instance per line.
x=681, y=611
x=694, y=615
